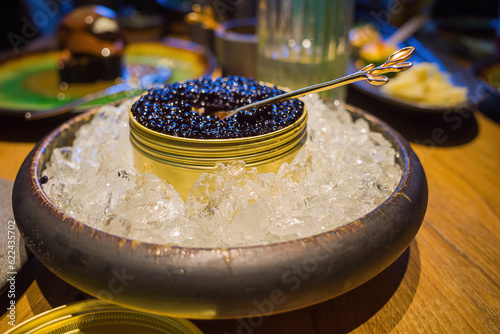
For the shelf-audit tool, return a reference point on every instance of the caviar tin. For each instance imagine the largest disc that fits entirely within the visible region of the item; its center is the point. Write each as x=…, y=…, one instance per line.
x=97, y=317
x=180, y=161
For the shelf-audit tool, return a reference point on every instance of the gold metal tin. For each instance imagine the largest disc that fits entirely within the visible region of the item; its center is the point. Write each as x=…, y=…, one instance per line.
x=98, y=317
x=180, y=161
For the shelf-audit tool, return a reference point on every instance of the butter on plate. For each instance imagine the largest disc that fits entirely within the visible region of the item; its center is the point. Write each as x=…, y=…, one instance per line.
x=425, y=83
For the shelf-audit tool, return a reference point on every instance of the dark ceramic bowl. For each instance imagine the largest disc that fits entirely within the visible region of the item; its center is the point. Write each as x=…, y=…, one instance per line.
x=218, y=282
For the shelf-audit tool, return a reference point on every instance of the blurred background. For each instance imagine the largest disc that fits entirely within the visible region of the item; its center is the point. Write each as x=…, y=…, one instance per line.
x=470, y=28
x=278, y=48
x=28, y=19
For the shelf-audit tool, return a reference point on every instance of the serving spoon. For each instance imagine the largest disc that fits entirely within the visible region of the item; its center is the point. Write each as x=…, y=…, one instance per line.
x=371, y=73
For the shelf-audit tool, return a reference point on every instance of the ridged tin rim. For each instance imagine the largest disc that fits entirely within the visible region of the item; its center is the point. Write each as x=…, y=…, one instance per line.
x=134, y=124
x=95, y=314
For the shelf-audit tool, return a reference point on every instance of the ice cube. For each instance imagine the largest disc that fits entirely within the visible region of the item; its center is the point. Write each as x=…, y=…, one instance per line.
x=343, y=171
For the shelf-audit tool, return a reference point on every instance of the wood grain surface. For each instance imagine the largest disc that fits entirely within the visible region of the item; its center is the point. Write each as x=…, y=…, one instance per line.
x=447, y=281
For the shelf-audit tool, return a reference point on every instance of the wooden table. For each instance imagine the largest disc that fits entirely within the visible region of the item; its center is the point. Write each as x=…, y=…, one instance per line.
x=447, y=281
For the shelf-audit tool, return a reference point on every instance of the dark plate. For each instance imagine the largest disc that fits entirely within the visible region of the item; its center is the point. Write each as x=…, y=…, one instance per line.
x=207, y=283
x=458, y=77
x=31, y=81
x=487, y=72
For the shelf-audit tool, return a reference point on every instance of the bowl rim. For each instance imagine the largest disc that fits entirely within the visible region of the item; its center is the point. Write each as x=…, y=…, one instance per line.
x=223, y=30
x=36, y=187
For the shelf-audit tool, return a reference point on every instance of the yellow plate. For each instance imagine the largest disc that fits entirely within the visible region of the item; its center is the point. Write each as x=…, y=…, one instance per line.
x=100, y=317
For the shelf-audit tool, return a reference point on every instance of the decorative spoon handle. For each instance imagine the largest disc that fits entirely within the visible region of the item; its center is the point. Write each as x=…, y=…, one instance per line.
x=371, y=73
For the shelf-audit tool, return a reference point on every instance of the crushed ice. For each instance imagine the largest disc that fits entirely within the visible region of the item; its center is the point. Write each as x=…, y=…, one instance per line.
x=343, y=172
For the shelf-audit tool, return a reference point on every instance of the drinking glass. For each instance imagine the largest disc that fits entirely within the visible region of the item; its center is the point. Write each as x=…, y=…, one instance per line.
x=303, y=42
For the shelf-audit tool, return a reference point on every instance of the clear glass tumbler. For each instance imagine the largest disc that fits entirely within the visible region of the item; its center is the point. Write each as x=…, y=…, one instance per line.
x=303, y=42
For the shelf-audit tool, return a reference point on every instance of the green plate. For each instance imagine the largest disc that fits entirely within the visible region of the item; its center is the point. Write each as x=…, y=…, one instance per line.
x=31, y=81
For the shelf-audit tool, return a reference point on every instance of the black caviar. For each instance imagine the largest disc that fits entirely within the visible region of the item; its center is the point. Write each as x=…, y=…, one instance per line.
x=186, y=109
x=44, y=179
